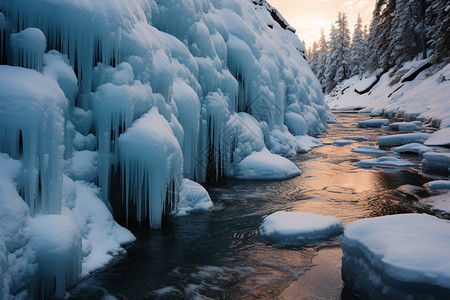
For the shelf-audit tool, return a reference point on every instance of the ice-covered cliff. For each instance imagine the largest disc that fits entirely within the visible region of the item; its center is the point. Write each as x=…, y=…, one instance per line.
x=141, y=93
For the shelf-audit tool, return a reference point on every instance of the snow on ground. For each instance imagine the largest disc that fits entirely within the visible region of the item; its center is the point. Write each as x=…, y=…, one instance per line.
x=341, y=143
x=434, y=162
x=373, y=123
x=402, y=139
x=369, y=150
x=402, y=100
x=413, y=148
x=264, y=165
x=383, y=161
x=356, y=138
x=299, y=228
x=406, y=126
x=437, y=185
x=193, y=198
x=397, y=256
x=439, y=138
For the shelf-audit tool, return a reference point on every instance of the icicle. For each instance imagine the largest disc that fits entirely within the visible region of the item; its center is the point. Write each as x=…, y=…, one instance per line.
x=150, y=160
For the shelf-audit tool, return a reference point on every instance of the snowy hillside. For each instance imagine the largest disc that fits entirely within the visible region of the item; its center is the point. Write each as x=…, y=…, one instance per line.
x=140, y=93
x=425, y=97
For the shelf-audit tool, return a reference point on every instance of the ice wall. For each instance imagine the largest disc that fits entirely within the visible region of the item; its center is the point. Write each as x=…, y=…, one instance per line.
x=158, y=89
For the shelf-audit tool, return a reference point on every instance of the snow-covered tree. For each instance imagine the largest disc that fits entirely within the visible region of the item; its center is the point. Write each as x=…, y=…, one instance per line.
x=437, y=22
x=313, y=58
x=331, y=62
x=358, y=50
x=322, y=58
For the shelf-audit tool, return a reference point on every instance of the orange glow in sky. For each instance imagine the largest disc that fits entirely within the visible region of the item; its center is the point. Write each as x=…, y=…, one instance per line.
x=309, y=16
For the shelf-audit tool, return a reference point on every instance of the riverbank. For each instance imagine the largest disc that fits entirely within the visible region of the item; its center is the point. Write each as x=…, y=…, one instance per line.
x=425, y=98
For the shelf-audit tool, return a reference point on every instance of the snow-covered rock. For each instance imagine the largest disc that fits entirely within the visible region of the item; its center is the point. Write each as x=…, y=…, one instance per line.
x=387, y=161
x=306, y=143
x=193, y=198
x=299, y=228
x=439, y=202
x=413, y=148
x=406, y=126
x=399, y=256
x=434, y=162
x=439, y=138
x=373, y=123
x=369, y=150
x=264, y=165
x=437, y=185
x=356, y=138
x=341, y=143
x=402, y=139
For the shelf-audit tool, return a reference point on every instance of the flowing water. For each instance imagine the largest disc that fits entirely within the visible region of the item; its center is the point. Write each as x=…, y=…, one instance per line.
x=220, y=255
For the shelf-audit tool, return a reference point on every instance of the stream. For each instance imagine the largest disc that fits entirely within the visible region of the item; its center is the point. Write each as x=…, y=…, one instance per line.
x=220, y=255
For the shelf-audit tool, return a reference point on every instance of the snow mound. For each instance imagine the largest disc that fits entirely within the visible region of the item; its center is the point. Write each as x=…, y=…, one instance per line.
x=341, y=143
x=356, y=138
x=439, y=138
x=402, y=139
x=264, y=165
x=437, y=185
x=369, y=150
x=438, y=202
x=306, y=143
x=299, y=228
x=193, y=198
x=399, y=256
x=436, y=163
x=387, y=161
x=373, y=123
x=413, y=148
x=406, y=126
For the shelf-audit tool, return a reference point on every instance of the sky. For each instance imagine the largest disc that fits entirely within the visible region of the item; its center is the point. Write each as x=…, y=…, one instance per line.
x=309, y=16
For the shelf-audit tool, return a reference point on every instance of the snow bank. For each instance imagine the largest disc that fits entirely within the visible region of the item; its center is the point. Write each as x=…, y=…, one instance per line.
x=439, y=138
x=436, y=163
x=369, y=150
x=402, y=139
x=193, y=198
x=398, y=256
x=101, y=236
x=413, y=148
x=388, y=161
x=373, y=123
x=393, y=98
x=264, y=165
x=299, y=228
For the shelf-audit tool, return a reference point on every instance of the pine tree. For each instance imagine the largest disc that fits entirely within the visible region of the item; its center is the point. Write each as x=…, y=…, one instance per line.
x=322, y=58
x=313, y=58
x=331, y=62
x=374, y=38
x=438, y=19
x=357, y=50
x=342, y=49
